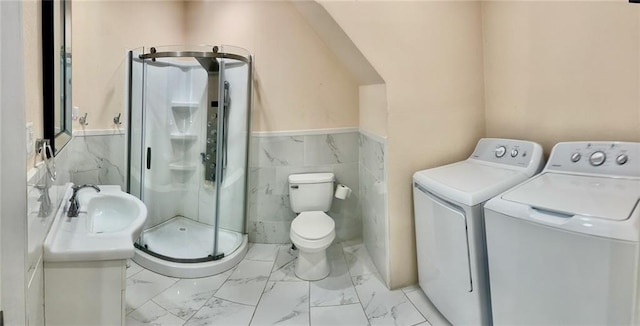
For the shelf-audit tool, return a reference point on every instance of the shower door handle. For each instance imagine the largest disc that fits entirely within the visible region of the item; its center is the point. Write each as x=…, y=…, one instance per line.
x=148, y=158
x=225, y=125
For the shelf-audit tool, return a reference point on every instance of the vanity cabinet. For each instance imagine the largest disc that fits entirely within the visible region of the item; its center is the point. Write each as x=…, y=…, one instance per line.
x=85, y=293
x=85, y=257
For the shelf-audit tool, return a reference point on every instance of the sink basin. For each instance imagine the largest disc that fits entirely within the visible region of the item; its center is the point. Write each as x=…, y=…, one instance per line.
x=114, y=213
x=108, y=224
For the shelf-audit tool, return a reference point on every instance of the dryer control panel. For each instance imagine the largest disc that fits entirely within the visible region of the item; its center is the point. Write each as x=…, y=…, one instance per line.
x=520, y=153
x=597, y=157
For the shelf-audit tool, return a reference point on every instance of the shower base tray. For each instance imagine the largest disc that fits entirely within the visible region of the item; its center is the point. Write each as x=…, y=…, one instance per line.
x=183, y=238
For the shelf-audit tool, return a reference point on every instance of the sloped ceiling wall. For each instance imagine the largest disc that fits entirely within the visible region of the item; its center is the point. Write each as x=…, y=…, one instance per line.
x=546, y=71
x=430, y=56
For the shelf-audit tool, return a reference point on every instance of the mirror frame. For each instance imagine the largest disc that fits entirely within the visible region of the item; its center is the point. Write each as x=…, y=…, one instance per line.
x=56, y=80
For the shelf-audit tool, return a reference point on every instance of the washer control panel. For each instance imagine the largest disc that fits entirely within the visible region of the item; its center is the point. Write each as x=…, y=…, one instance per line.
x=609, y=158
x=520, y=153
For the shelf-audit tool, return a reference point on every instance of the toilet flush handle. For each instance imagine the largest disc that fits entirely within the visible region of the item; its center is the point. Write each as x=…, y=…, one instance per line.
x=294, y=186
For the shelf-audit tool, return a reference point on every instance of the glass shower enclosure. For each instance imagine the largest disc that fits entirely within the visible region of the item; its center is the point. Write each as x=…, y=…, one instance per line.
x=189, y=122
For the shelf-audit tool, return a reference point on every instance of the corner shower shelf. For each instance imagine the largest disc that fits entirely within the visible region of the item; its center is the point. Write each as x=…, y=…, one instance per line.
x=182, y=114
x=183, y=110
x=181, y=167
x=185, y=137
x=179, y=105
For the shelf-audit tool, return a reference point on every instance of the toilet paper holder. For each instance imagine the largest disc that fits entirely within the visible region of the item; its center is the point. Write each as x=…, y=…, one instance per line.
x=342, y=192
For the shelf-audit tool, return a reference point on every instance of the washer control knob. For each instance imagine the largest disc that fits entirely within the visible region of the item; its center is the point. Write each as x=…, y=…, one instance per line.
x=575, y=157
x=514, y=152
x=597, y=158
x=500, y=151
x=622, y=159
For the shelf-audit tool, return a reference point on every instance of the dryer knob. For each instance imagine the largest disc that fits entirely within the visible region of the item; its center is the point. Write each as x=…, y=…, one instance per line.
x=500, y=151
x=597, y=158
x=575, y=157
x=622, y=159
x=514, y=152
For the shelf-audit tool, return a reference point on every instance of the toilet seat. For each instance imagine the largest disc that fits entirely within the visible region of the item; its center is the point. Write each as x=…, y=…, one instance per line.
x=312, y=233
x=315, y=225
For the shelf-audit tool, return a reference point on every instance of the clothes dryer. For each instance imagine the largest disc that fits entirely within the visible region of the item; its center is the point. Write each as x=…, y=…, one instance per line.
x=449, y=224
x=563, y=246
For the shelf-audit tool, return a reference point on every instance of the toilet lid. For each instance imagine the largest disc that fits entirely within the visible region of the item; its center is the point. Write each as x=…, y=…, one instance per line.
x=313, y=225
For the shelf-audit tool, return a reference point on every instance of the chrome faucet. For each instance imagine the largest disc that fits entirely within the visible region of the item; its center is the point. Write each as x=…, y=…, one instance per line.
x=74, y=207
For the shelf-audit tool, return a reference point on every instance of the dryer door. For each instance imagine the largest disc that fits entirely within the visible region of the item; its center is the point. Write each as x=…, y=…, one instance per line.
x=442, y=245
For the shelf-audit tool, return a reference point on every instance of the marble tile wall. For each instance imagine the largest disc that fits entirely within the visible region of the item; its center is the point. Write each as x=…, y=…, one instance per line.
x=373, y=200
x=39, y=219
x=97, y=159
x=274, y=158
x=356, y=158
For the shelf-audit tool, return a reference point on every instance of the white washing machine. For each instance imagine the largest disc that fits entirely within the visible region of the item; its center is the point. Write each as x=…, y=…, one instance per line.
x=449, y=220
x=563, y=246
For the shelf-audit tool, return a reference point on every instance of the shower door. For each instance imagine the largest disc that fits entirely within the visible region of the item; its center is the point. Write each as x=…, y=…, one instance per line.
x=189, y=144
x=234, y=146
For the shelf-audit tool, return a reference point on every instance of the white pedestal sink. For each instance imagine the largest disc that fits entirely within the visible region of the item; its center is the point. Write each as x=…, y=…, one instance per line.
x=85, y=257
x=115, y=213
x=108, y=224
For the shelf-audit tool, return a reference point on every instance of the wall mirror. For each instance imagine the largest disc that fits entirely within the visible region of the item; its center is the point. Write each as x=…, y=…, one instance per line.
x=56, y=72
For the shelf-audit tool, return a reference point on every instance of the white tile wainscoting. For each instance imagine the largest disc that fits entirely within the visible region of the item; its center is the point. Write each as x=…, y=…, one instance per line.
x=98, y=157
x=357, y=157
x=263, y=290
x=274, y=156
x=373, y=200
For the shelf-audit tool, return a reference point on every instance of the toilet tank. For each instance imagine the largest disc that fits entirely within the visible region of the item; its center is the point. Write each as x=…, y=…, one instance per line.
x=311, y=191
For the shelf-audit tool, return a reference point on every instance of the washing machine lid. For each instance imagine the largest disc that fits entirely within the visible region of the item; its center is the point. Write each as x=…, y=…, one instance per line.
x=468, y=182
x=601, y=197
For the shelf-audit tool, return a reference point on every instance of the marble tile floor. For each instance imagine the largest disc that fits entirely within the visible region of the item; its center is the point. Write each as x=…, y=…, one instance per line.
x=263, y=290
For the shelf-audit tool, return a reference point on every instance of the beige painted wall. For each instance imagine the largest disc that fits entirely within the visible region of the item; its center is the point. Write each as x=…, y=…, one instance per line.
x=373, y=109
x=562, y=71
x=430, y=56
x=102, y=33
x=298, y=81
x=32, y=49
x=545, y=71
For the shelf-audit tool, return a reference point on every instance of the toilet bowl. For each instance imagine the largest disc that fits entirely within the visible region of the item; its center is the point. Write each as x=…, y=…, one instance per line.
x=312, y=233
x=312, y=230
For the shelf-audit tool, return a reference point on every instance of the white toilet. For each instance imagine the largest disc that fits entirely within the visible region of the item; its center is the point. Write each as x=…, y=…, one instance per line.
x=312, y=231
